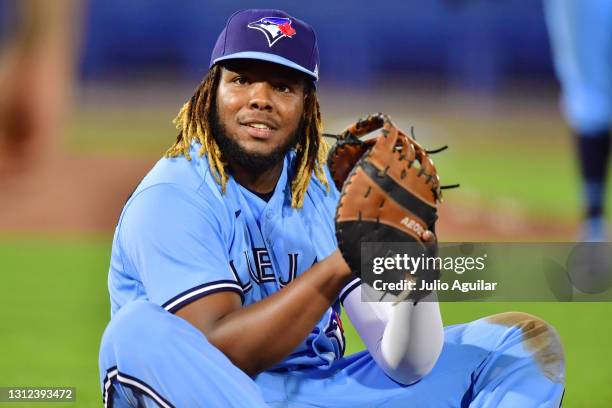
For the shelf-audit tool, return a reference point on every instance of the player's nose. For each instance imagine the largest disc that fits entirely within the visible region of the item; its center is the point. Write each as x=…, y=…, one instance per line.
x=260, y=98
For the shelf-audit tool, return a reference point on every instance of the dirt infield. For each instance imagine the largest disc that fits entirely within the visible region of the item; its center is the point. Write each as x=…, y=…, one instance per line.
x=85, y=194
x=69, y=194
x=460, y=222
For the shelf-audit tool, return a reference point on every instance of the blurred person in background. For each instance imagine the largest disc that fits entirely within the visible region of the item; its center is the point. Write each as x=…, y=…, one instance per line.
x=581, y=39
x=36, y=78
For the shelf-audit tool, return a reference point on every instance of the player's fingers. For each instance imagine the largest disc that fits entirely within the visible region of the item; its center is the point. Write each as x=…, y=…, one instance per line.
x=431, y=242
x=428, y=237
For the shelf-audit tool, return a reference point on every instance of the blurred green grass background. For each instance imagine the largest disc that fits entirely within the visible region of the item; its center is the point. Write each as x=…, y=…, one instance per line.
x=55, y=294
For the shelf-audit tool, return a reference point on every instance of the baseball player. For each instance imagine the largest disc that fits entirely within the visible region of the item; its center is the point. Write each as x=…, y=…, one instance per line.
x=581, y=39
x=226, y=281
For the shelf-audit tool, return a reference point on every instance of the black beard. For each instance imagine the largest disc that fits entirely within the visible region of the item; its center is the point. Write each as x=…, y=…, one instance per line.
x=254, y=162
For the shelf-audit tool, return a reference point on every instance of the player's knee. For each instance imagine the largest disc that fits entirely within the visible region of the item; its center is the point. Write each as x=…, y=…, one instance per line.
x=135, y=327
x=539, y=338
x=140, y=316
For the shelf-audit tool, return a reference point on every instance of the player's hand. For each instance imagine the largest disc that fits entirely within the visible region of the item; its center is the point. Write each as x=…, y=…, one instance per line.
x=431, y=242
x=429, y=237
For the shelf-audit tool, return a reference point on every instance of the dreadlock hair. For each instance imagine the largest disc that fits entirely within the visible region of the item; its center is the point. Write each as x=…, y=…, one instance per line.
x=194, y=124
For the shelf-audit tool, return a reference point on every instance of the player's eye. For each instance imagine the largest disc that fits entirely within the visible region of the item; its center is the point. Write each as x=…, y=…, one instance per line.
x=240, y=80
x=283, y=88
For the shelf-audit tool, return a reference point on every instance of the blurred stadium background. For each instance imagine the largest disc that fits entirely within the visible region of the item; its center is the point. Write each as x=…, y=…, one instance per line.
x=475, y=75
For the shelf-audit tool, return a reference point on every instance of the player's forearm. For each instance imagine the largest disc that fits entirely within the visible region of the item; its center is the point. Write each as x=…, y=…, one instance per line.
x=259, y=336
x=405, y=340
x=412, y=340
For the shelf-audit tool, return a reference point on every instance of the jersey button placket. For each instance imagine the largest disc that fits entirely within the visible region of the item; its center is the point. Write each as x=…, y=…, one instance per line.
x=266, y=228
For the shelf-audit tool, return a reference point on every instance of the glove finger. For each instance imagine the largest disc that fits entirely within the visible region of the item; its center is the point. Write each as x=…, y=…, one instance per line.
x=342, y=159
x=367, y=125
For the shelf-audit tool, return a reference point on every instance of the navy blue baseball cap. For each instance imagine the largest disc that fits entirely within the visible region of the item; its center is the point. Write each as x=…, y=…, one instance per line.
x=269, y=35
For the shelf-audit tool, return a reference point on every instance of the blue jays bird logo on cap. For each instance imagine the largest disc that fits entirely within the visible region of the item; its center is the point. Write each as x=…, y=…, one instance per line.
x=274, y=28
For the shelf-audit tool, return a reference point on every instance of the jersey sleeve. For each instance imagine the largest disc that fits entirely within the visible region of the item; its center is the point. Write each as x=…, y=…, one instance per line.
x=173, y=241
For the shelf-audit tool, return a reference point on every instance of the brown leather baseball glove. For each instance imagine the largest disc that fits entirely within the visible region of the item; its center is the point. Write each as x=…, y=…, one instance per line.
x=389, y=193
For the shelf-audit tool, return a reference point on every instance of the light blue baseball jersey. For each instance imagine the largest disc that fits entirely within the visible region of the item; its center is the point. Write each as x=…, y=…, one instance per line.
x=180, y=238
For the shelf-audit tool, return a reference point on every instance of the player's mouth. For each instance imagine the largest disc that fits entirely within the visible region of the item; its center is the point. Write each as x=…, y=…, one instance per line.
x=259, y=129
